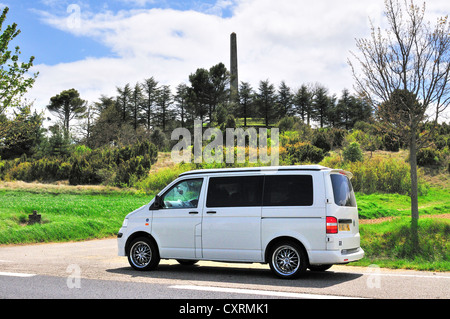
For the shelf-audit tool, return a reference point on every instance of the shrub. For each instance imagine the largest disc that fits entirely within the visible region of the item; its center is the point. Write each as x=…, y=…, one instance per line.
x=441, y=142
x=381, y=175
x=81, y=150
x=353, y=153
x=428, y=157
x=43, y=170
x=288, y=123
x=377, y=174
x=83, y=172
x=116, y=166
x=159, y=139
x=390, y=142
x=157, y=181
x=322, y=139
x=2, y=168
x=302, y=152
x=132, y=170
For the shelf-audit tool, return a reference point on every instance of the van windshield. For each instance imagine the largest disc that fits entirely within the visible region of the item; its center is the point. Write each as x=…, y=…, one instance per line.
x=343, y=190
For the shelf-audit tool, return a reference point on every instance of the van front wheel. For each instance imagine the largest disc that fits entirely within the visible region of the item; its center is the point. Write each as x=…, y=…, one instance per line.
x=143, y=254
x=287, y=260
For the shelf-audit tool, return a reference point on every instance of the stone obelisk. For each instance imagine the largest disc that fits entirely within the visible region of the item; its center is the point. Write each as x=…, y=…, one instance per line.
x=234, y=82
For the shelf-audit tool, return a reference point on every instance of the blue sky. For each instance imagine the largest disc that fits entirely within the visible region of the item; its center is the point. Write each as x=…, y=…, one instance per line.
x=52, y=46
x=96, y=46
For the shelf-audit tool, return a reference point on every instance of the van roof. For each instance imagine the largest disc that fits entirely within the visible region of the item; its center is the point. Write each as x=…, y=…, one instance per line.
x=257, y=169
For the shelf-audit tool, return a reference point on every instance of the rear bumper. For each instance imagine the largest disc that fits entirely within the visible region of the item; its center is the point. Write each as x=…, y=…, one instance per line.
x=321, y=257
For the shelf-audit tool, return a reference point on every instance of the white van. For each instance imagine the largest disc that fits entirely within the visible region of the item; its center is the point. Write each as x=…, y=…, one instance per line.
x=291, y=217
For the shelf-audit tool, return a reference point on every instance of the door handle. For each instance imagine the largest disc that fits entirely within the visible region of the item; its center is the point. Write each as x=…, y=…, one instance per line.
x=193, y=213
x=211, y=212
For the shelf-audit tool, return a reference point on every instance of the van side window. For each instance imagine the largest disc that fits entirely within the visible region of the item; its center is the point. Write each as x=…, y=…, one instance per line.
x=239, y=191
x=288, y=190
x=184, y=194
x=343, y=190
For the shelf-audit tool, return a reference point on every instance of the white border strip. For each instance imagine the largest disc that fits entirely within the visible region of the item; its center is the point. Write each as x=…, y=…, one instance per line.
x=259, y=292
x=11, y=274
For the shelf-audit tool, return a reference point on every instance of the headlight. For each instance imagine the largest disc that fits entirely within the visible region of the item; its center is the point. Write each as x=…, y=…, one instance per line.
x=125, y=222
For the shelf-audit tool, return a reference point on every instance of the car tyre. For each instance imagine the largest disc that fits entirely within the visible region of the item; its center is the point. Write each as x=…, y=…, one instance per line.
x=288, y=260
x=143, y=254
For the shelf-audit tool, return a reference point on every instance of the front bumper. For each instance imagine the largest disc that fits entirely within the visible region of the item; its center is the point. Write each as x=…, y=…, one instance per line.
x=121, y=242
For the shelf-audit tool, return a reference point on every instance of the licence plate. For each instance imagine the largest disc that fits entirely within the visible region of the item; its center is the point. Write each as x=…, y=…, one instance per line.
x=344, y=227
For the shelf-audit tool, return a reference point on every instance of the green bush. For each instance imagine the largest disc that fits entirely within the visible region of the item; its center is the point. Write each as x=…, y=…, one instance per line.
x=390, y=142
x=2, y=168
x=301, y=153
x=132, y=170
x=157, y=181
x=377, y=174
x=353, y=153
x=428, y=157
x=159, y=139
x=116, y=166
x=322, y=139
x=328, y=138
x=381, y=175
x=109, y=165
x=43, y=170
x=441, y=142
x=287, y=123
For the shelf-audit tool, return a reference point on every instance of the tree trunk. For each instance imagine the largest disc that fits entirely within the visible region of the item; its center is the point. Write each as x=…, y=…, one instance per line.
x=414, y=193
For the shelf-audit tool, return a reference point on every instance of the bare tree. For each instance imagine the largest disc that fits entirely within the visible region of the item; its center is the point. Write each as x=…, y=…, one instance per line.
x=404, y=72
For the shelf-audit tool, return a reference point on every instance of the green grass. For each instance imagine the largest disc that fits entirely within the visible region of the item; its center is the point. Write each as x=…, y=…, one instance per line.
x=251, y=122
x=436, y=201
x=66, y=216
x=389, y=244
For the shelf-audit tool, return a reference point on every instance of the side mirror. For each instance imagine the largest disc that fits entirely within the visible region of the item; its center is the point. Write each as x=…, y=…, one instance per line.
x=157, y=203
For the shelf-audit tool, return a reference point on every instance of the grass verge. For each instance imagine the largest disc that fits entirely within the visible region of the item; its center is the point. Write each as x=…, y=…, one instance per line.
x=66, y=215
x=435, y=202
x=389, y=244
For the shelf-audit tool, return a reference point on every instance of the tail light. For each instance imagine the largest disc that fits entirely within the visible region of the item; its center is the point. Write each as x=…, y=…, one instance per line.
x=332, y=225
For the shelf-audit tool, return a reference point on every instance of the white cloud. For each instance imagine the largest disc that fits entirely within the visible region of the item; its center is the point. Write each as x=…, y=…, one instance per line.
x=297, y=41
x=140, y=3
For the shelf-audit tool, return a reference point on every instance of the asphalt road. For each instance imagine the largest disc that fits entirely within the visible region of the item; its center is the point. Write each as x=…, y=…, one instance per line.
x=92, y=270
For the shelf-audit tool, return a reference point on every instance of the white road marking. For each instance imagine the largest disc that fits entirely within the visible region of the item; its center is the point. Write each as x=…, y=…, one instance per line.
x=258, y=292
x=375, y=273
x=12, y=274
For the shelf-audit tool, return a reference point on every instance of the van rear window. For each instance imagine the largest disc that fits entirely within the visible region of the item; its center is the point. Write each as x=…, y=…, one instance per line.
x=343, y=190
x=288, y=190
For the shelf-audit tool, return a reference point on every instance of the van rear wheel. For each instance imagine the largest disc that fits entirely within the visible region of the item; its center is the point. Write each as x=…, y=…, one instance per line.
x=143, y=254
x=288, y=260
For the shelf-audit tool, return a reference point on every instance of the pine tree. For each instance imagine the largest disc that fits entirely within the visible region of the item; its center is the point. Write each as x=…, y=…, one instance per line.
x=321, y=105
x=266, y=99
x=303, y=103
x=66, y=106
x=284, y=101
x=150, y=88
x=123, y=101
x=245, y=95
